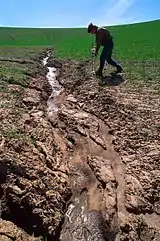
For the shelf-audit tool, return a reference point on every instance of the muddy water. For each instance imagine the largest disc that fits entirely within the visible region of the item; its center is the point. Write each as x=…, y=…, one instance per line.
x=52, y=107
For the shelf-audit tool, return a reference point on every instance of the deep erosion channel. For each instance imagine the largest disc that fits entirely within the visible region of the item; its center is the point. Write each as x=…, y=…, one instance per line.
x=96, y=175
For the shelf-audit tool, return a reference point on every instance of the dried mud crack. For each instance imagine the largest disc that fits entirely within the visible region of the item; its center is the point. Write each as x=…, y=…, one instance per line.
x=83, y=164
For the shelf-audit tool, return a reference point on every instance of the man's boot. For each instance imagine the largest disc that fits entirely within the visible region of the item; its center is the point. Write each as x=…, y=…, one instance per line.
x=119, y=69
x=99, y=72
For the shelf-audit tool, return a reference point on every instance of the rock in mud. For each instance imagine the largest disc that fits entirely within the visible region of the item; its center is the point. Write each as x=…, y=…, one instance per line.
x=36, y=83
x=70, y=98
x=31, y=97
x=14, y=88
x=82, y=224
x=54, y=63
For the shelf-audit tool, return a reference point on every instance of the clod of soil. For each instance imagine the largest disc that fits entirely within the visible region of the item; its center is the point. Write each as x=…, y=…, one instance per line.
x=10, y=232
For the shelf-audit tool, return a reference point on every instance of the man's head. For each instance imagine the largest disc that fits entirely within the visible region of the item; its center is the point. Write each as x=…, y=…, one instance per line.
x=92, y=28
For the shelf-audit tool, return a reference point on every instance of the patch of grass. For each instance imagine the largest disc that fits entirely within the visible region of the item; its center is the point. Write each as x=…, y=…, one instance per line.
x=15, y=71
x=17, y=79
x=13, y=134
x=5, y=104
x=8, y=94
x=138, y=73
x=33, y=140
x=3, y=86
x=12, y=51
x=142, y=73
x=13, y=76
x=135, y=41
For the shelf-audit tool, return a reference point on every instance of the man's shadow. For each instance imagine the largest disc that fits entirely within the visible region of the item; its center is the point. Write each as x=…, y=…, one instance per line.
x=112, y=80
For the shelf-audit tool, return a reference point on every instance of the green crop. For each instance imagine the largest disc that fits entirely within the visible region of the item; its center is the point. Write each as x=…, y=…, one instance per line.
x=132, y=42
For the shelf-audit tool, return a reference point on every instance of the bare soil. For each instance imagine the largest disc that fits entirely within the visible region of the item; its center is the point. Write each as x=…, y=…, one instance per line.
x=91, y=173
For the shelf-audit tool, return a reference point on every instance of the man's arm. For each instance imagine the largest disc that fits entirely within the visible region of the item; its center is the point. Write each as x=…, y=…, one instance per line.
x=99, y=38
x=97, y=48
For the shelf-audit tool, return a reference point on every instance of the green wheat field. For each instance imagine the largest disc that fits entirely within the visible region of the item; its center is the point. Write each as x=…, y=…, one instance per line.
x=139, y=41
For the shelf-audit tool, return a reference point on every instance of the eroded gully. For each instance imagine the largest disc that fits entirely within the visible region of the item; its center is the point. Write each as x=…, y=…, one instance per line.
x=96, y=175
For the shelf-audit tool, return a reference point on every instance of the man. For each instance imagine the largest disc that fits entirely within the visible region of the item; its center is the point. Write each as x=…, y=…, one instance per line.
x=103, y=38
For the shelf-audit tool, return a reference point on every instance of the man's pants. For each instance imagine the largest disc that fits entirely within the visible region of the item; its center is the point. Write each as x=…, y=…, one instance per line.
x=106, y=55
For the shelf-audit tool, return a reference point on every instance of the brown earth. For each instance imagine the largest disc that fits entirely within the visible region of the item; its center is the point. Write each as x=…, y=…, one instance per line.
x=91, y=172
